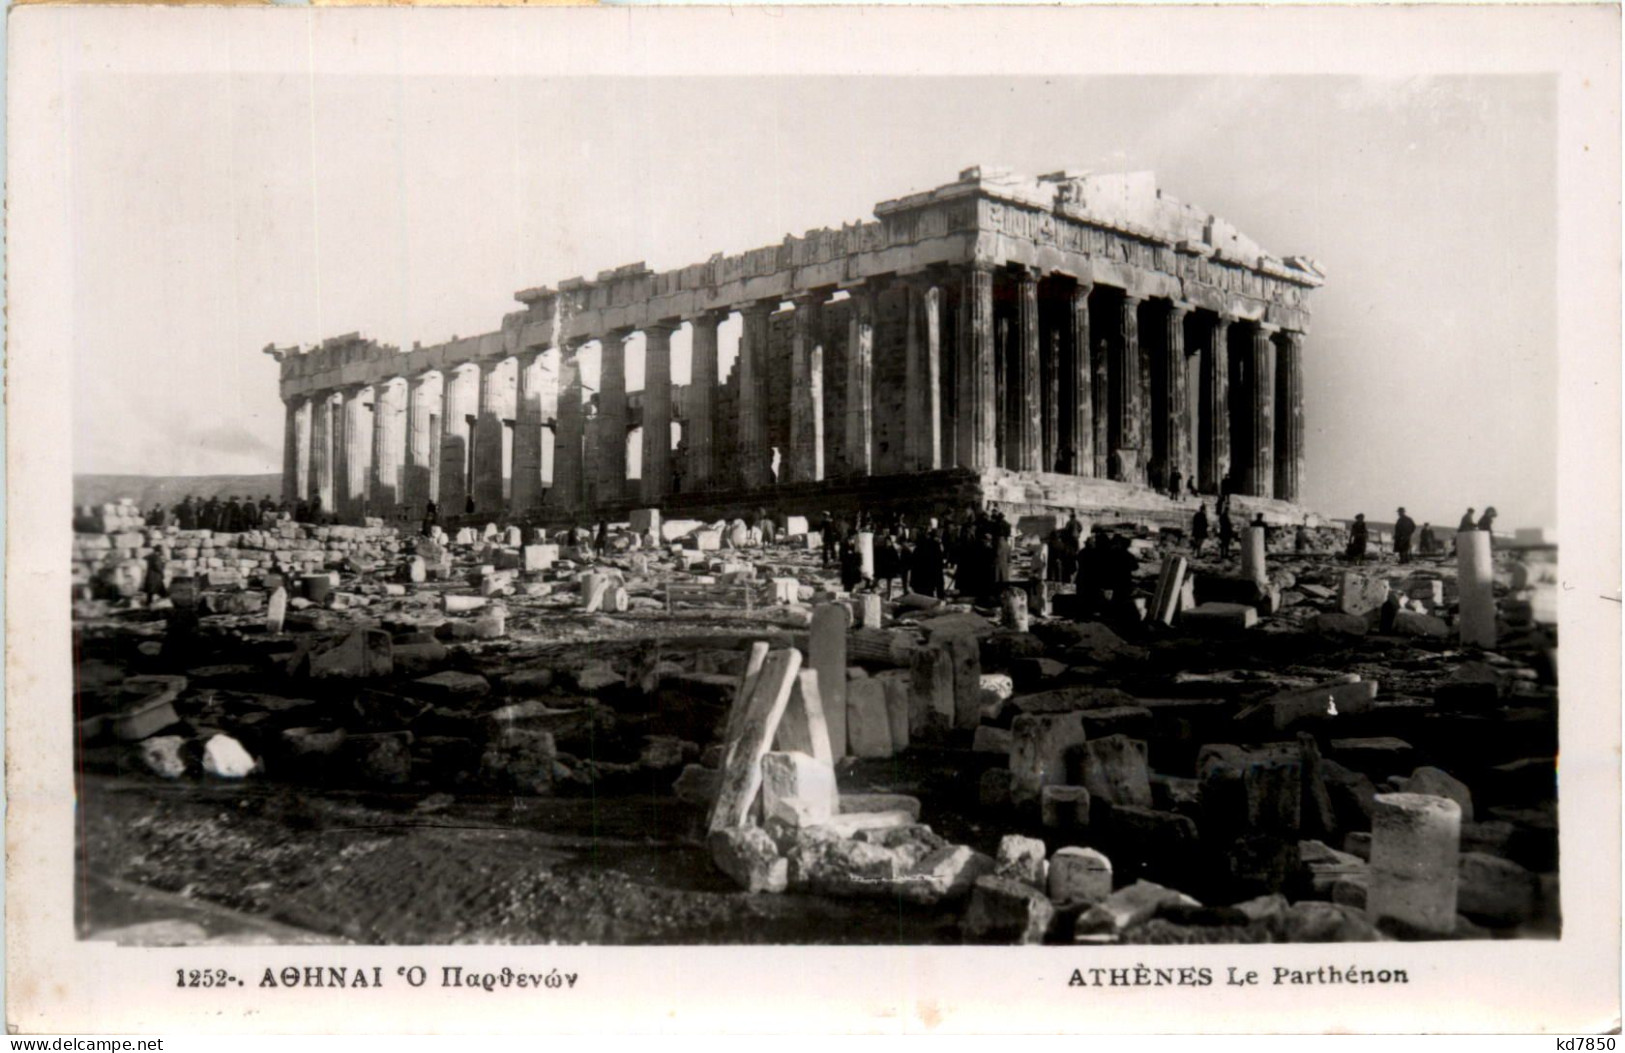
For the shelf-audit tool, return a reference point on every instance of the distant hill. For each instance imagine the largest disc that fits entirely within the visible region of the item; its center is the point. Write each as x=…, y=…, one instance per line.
x=167, y=490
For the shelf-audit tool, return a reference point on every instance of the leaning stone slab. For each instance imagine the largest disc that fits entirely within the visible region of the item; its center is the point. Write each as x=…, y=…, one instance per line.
x=826, y=653
x=803, y=728
x=742, y=767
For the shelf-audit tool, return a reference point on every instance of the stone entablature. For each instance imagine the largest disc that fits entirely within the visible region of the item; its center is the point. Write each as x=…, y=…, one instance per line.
x=1054, y=225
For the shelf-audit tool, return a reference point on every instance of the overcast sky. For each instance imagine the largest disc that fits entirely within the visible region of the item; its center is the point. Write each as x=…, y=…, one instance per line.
x=256, y=207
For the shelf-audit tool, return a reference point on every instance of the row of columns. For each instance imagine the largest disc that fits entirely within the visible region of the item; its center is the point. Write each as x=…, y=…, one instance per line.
x=1071, y=378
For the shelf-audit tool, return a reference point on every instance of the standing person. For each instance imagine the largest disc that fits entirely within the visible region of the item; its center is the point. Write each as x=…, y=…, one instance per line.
x=1429, y=543
x=1001, y=549
x=1357, y=539
x=1118, y=566
x=1404, y=528
x=431, y=516
x=1467, y=522
x=851, y=565
x=601, y=545
x=1199, y=530
x=1174, y=481
x=829, y=539
x=1300, y=540
x=925, y=573
x=887, y=564
x=1227, y=531
x=152, y=584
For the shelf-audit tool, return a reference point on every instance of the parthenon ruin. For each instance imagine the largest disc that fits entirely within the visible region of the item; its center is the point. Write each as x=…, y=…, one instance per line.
x=1083, y=332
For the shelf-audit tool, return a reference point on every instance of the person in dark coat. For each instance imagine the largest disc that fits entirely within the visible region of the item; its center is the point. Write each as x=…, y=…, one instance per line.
x=887, y=563
x=851, y=565
x=431, y=516
x=1199, y=530
x=152, y=584
x=1118, y=565
x=601, y=545
x=1174, y=481
x=1486, y=522
x=1390, y=611
x=1429, y=543
x=925, y=574
x=1467, y=522
x=1404, y=529
x=826, y=534
x=209, y=518
x=1357, y=539
x=1227, y=532
x=1091, y=594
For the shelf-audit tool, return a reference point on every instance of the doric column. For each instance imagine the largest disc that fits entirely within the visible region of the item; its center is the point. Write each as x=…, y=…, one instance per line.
x=1289, y=416
x=978, y=419
x=568, y=435
x=752, y=453
x=928, y=399
x=488, y=440
x=656, y=480
x=357, y=443
x=922, y=406
x=612, y=417
x=1101, y=367
x=1215, y=431
x=527, y=431
x=860, y=379
x=321, y=449
x=698, y=436
x=388, y=445
x=296, y=449
x=1079, y=429
x=1028, y=379
x=455, y=439
x=1129, y=438
x=806, y=460
x=415, y=489
x=1175, y=434
x=1261, y=376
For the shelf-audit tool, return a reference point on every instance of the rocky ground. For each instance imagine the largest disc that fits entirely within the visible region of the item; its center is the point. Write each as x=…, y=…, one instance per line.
x=489, y=741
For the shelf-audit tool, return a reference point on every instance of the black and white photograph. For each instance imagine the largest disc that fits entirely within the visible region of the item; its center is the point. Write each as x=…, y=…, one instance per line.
x=531, y=485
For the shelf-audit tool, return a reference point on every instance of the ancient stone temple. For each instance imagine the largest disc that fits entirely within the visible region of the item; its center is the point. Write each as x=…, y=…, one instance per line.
x=1070, y=341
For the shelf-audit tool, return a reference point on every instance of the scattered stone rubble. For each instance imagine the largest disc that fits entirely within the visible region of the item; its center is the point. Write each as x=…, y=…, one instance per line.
x=1296, y=750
